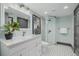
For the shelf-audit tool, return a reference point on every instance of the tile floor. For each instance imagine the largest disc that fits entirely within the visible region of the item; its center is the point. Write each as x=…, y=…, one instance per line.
x=57, y=50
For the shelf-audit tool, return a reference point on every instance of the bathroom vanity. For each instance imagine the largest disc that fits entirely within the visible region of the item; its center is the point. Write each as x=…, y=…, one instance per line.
x=21, y=46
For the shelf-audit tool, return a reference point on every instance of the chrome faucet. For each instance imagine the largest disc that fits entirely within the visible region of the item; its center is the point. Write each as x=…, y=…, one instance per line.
x=24, y=33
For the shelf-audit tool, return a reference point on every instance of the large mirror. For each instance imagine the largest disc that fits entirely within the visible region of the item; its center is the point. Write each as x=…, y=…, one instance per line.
x=23, y=22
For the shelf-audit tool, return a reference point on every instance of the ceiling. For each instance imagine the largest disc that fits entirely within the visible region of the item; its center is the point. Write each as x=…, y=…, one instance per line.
x=52, y=9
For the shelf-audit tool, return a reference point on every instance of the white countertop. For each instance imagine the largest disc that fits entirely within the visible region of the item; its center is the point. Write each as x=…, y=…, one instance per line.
x=18, y=39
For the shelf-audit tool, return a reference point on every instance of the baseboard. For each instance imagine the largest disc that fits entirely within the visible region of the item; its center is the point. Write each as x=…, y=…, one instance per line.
x=62, y=43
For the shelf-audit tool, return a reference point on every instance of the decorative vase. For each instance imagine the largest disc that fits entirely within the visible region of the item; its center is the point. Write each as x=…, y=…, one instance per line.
x=8, y=36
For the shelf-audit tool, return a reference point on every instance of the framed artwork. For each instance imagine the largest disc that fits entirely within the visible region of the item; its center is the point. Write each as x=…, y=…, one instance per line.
x=36, y=24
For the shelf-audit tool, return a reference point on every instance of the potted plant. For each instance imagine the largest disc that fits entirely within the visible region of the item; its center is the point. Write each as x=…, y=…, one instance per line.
x=10, y=28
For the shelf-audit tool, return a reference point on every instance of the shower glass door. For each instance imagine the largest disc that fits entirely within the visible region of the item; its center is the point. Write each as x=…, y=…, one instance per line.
x=51, y=30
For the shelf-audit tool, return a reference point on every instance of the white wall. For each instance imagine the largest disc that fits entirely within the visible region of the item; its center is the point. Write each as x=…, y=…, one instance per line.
x=2, y=19
x=43, y=28
x=66, y=22
x=2, y=22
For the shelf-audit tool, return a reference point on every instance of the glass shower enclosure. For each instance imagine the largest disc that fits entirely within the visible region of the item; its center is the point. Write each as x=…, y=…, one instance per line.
x=50, y=29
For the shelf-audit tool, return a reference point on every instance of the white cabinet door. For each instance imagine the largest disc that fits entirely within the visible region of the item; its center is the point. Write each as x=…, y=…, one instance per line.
x=36, y=51
x=25, y=52
x=15, y=54
x=20, y=53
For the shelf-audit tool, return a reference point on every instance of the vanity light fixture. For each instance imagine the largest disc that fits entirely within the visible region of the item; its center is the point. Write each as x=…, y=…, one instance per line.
x=25, y=7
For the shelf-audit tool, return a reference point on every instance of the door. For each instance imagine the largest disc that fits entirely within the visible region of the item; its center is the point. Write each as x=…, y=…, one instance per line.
x=51, y=30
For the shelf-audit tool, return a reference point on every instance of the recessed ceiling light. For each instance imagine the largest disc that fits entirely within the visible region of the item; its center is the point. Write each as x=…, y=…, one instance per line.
x=45, y=12
x=65, y=7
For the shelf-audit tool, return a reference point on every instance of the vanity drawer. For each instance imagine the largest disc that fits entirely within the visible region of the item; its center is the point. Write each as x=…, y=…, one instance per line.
x=18, y=47
x=23, y=52
x=36, y=51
